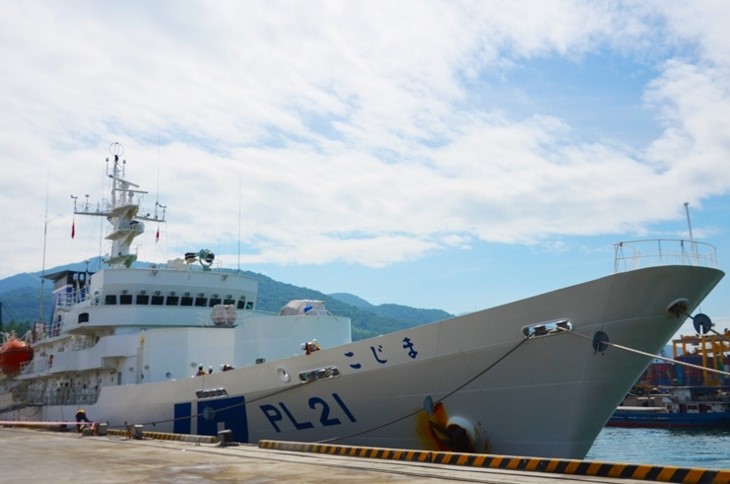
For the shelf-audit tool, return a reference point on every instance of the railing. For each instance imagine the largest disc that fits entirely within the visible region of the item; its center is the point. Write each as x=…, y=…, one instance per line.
x=637, y=254
x=68, y=299
x=62, y=395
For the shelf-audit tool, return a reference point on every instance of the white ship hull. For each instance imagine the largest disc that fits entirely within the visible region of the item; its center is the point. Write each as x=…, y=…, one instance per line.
x=544, y=396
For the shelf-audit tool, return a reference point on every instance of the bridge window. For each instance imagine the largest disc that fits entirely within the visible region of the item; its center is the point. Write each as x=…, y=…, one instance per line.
x=186, y=301
x=125, y=299
x=201, y=302
x=173, y=300
x=143, y=299
x=110, y=299
x=158, y=300
x=213, y=301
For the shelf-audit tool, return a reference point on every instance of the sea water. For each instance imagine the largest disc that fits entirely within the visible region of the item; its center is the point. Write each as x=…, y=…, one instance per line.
x=707, y=449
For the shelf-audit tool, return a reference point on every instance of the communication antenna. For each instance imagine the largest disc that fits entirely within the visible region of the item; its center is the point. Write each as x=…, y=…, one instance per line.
x=45, y=239
x=689, y=223
x=238, y=267
x=689, y=226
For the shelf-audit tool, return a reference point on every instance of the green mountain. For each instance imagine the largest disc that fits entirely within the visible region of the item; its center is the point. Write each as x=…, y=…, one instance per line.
x=367, y=320
x=398, y=312
x=352, y=300
x=19, y=297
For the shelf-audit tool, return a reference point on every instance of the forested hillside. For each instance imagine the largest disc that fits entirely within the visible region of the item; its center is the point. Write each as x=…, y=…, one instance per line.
x=365, y=322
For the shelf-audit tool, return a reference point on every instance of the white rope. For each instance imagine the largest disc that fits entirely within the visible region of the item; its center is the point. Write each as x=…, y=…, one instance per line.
x=651, y=355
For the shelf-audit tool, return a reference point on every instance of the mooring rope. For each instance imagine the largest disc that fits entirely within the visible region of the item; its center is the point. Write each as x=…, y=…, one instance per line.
x=652, y=355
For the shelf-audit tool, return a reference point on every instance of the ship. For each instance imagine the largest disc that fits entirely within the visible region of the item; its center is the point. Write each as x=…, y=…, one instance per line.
x=541, y=376
x=678, y=407
x=690, y=392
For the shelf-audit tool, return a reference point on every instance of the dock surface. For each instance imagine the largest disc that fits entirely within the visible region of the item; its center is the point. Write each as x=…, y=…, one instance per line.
x=66, y=457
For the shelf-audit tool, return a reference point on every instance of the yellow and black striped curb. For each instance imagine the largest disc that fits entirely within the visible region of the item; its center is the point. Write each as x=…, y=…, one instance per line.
x=528, y=464
x=197, y=439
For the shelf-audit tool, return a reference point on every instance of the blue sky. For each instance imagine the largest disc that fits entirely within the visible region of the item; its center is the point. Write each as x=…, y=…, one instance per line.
x=451, y=155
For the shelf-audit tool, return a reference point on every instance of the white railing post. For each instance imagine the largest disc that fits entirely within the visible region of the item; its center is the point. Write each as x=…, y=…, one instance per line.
x=663, y=252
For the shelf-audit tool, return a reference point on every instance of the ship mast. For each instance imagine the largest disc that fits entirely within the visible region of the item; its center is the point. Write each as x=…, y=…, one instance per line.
x=42, y=294
x=689, y=223
x=689, y=226
x=122, y=211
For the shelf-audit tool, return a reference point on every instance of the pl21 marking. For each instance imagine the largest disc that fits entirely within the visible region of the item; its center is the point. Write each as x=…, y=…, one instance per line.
x=323, y=412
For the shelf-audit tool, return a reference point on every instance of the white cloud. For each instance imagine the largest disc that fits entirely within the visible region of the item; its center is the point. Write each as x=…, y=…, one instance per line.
x=695, y=104
x=353, y=129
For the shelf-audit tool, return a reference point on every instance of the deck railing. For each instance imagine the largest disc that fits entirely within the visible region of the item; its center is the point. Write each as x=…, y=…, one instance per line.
x=62, y=395
x=74, y=296
x=637, y=254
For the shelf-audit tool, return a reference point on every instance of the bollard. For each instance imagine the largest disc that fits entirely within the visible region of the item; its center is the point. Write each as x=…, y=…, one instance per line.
x=225, y=438
x=101, y=429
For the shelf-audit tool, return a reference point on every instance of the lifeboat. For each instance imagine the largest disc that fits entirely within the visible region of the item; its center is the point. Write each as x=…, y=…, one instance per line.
x=13, y=353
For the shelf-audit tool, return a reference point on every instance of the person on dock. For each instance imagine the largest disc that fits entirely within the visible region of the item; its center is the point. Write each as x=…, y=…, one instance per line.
x=201, y=371
x=81, y=417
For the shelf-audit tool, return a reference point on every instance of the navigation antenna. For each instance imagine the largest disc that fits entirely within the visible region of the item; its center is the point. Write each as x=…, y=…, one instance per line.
x=689, y=223
x=157, y=193
x=238, y=267
x=43, y=270
x=689, y=226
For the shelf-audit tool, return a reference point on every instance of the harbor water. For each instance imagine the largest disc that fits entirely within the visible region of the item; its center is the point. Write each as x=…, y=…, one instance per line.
x=709, y=449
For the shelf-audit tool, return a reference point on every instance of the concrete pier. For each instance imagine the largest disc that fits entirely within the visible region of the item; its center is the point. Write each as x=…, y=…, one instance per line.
x=66, y=457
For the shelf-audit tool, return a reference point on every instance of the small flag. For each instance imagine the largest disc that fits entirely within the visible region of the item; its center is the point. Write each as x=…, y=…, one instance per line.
x=73, y=229
x=157, y=235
